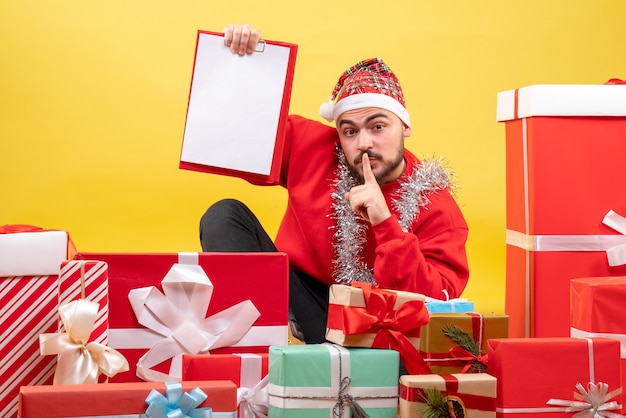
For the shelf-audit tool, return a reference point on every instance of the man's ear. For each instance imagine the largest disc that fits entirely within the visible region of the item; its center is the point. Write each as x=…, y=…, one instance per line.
x=407, y=131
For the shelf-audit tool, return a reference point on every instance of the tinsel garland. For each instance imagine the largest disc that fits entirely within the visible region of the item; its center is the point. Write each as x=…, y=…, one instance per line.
x=350, y=233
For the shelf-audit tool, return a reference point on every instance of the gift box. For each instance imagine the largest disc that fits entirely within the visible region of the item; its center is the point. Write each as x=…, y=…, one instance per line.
x=364, y=316
x=440, y=343
x=322, y=380
x=598, y=310
x=222, y=283
x=543, y=376
x=247, y=370
x=459, y=305
x=564, y=171
x=27, y=250
x=473, y=394
x=30, y=260
x=128, y=399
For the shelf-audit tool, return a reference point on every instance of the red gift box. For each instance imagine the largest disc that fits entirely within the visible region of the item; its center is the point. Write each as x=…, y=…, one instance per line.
x=598, y=310
x=29, y=266
x=261, y=278
x=114, y=398
x=532, y=371
x=564, y=173
x=246, y=370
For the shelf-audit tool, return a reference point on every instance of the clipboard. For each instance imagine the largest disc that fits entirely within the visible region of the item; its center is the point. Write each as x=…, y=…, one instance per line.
x=237, y=109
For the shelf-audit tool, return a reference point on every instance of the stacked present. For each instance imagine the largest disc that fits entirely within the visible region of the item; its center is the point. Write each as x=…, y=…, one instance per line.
x=205, y=335
x=564, y=171
x=29, y=272
x=198, y=335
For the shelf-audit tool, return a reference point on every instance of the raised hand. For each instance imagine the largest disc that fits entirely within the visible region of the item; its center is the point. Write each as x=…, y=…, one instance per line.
x=367, y=199
x=241, y=39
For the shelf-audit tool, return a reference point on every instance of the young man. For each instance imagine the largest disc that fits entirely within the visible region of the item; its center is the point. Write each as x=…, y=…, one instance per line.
x=360, y=206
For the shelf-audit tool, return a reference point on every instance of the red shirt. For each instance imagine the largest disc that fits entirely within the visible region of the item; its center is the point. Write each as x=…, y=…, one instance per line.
x=427, y=259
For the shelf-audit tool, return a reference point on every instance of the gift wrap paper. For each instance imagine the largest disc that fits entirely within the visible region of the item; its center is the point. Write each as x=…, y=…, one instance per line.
x=245, y=369
x=476, y=391
x=531, y=371
x=598, y=309
x=564, y=173
x=261, y=278
x=307, y=381
x=438, y=349
x=29, y=269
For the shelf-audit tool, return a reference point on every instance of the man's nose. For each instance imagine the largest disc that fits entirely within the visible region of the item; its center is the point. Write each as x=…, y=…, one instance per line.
x=364, y=141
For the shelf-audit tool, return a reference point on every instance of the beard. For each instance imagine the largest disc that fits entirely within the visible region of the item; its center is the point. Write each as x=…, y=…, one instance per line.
x=388, y=166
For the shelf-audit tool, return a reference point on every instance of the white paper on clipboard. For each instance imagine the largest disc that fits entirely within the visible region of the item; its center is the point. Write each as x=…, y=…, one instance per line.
x=234, y=106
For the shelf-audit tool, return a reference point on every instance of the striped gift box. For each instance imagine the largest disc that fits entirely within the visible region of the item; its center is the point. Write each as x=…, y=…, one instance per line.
x=28, y=307
x=87, y=279
x=30, y=259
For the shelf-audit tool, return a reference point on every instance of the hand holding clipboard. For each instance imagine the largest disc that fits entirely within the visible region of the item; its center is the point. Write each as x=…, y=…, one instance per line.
x=237, y=109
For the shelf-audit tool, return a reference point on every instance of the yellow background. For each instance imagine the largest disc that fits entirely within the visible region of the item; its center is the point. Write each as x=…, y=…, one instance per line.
x=93, y=96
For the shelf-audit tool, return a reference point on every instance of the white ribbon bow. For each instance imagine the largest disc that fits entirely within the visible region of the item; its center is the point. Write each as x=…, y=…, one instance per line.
x=179, y=315
x=616, y=255
x=80, y=361
x=591, y=403
x=254, y=401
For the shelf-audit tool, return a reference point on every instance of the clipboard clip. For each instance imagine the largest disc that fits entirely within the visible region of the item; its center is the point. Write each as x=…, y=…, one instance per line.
x=260, y=46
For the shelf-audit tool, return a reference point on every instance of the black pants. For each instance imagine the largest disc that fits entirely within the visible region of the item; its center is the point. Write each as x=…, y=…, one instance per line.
x=229, y=226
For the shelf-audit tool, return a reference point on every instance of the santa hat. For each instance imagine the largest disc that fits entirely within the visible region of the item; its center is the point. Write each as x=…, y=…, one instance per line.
x=369, y=83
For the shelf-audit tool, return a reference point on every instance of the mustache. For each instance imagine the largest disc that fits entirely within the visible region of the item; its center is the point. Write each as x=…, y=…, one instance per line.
x=369, y=153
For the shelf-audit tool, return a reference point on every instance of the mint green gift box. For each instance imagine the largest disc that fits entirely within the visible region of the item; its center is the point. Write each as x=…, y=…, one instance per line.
x=323, y=381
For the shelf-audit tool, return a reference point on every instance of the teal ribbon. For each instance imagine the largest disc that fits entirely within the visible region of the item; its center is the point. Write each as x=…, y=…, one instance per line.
x=176, y=404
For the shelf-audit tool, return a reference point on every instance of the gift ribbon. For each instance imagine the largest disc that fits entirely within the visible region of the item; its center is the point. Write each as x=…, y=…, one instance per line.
x=595, y=402
x=253, y=402
x=599, y=399
x=457, y=355
x=340, y=393
x=613, y=245
x=252, y=394
x=615, y=81
x=577, y=333
x=475, y=402
x=390, y=325
x=80, y=361
x=468, y=358
x=176, y=403
x=178, y=316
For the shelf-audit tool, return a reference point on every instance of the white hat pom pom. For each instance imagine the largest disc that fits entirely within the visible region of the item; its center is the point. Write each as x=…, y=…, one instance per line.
x=326, y=110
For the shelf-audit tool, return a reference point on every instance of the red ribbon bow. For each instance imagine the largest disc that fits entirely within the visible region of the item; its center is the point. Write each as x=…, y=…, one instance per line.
x=467, y=356
x=390, y=325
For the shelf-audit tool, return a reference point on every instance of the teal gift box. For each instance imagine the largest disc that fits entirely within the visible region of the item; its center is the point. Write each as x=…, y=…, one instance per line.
x=322, y=380
x=460, y=305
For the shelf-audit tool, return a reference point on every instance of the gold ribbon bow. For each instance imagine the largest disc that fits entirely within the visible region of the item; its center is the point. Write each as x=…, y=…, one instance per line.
x=591, y=403
x=80, y=361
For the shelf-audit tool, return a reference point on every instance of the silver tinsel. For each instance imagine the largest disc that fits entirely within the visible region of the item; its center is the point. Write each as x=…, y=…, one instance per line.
x=350, y=233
